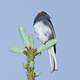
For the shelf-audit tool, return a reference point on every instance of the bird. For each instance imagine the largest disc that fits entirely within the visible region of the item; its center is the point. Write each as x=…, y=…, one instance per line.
x=44, y=30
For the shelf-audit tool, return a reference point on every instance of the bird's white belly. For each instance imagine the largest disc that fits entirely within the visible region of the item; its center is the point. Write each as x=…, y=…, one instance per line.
x=43, y=31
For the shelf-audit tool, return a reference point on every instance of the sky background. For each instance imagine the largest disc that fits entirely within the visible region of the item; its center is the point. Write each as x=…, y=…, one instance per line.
x=65, y=15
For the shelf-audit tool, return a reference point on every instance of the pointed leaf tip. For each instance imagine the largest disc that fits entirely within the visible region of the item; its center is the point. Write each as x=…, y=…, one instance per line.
x=27, y=39
x=31, y=40
x=24, y=36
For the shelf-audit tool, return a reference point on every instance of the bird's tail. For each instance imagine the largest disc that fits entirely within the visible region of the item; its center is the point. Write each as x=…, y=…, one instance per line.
x=52, y=58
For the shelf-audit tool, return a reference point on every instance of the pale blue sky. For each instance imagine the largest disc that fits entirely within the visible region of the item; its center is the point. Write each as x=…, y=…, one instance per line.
x=65, y=16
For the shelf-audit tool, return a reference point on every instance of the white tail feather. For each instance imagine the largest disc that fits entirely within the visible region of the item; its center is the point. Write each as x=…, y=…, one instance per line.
x=52, y=57
x=51, y=61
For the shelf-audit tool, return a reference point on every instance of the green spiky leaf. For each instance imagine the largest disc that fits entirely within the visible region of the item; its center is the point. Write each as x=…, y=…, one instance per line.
x=47, y=45
x=24, y=36
x=27, y=39
x=16, y=50
x=31, y=41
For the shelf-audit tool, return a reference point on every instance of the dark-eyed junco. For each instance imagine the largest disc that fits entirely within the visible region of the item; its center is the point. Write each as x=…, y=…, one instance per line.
x=45, y=31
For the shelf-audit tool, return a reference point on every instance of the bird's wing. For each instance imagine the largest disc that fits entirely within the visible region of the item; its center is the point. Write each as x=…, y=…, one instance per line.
x=49, y=23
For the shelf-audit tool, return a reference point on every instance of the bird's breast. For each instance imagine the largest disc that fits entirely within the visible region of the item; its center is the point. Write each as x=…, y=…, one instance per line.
x=43, y=31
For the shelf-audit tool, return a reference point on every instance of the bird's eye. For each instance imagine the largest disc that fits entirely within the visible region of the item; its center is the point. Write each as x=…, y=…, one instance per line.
x=47, y=34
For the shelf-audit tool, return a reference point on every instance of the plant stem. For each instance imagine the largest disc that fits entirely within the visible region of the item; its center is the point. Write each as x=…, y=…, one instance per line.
x=30, y=70
x=30, y=53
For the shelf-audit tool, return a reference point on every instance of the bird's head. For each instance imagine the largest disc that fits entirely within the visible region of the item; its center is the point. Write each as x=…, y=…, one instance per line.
x=40, y=16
